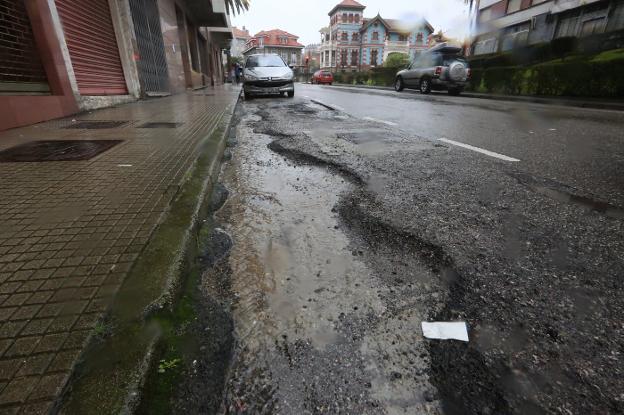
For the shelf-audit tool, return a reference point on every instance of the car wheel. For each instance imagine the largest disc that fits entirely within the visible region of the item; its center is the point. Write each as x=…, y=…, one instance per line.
x=291, y=94
x=454, y=92
x=330, y=83
x=398, y=84
x=425, y=86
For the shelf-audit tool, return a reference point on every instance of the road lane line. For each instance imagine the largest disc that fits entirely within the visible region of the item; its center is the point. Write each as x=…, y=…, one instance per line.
x=390, y=123
x=478, y=150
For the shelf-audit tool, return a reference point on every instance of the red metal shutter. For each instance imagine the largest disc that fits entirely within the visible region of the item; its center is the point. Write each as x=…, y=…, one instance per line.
x=92, y=46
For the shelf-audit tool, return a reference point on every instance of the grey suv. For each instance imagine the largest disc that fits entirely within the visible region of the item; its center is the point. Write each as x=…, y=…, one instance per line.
x=440, y=68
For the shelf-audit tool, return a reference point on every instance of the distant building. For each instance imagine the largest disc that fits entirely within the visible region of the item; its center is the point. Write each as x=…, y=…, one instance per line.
x=312, y=56
x=352, y=42
x=241, y=37
x=505, y=24
x=276, y=41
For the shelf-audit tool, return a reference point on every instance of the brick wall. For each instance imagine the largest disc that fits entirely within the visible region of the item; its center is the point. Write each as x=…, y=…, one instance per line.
x=19, y=59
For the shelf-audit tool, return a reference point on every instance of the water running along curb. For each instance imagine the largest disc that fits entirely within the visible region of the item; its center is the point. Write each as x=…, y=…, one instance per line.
x=113, y=370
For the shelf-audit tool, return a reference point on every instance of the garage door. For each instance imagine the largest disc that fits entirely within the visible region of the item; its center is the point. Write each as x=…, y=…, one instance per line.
x=92, y=46
x=20, y=67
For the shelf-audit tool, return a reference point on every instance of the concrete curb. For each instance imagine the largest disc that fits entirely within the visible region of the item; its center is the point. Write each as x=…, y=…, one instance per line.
x=112, y=372
x=568, y=102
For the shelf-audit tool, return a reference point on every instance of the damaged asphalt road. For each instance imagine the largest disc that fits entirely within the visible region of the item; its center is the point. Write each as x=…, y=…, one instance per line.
x=347, y=235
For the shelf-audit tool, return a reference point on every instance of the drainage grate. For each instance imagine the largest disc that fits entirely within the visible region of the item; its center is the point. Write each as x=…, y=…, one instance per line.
x=96, y=125
x=161, y=125
x=62, y=150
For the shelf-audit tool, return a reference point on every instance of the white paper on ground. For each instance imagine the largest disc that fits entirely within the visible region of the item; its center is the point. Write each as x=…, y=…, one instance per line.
x=445, y=330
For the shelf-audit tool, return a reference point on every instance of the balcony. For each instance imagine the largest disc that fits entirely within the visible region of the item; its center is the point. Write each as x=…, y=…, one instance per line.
x=396, y=46
x=209, y=13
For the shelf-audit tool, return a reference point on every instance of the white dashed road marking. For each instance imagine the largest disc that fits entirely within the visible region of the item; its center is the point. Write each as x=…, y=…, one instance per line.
x=390, y=123
x=478, y=150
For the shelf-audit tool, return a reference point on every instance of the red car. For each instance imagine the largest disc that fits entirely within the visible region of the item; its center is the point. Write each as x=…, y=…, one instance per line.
x=322, y=77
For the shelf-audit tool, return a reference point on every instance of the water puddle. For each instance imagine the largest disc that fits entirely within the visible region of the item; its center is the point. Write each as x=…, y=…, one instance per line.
x=292, y=267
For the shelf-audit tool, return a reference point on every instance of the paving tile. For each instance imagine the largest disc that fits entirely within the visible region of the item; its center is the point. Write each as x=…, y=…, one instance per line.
x=69, y=234
x=62, y=324
x=37, y=326
x=39, y=297
x=22, y=346
x=76, y=339
x=18, y=390
x=35, y=364
x=51, y=343
x=11, y=329
x=26, y=312
x=38, y=408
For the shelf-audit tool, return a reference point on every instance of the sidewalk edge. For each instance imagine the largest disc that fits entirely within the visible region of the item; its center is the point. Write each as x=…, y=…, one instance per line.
x=135, y=331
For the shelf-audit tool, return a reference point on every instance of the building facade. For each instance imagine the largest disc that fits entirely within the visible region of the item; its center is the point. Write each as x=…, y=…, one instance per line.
x=239, y=42
x=59, y=57
x=279, y=42
x=503, y=25
x=352, y=42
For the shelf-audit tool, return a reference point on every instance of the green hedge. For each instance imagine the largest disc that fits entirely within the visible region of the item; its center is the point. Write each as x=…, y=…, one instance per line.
x=376, y=76
x=601, y=76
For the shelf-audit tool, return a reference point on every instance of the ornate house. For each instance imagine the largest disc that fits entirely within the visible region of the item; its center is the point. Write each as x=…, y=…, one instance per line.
x=276, y=41
x=352, y=42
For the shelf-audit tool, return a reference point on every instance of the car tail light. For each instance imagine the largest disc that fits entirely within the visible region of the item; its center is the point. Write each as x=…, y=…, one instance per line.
x=468, y=73
x=438, y=71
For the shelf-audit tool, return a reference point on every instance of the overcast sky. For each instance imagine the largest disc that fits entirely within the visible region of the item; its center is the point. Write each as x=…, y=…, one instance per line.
x=304, y=18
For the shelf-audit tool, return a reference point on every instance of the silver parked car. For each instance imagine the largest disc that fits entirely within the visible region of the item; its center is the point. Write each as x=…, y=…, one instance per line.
x=267, y=74
x=440, y=68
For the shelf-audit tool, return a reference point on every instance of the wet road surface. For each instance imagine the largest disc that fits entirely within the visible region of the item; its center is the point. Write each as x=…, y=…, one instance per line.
x=349, y=232
x=576, y=146
x=312, y=319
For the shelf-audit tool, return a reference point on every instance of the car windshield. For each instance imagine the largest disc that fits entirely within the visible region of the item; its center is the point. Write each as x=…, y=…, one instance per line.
x=264, y=61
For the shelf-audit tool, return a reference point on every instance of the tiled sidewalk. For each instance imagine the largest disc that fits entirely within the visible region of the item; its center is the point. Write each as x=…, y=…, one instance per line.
x=71, y=230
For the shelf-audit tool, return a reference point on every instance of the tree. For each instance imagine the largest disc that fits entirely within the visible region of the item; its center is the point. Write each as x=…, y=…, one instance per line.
x=396, y=60
x=239, y=5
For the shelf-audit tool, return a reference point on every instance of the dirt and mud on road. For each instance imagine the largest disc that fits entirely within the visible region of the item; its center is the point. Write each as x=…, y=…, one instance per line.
x=348, y=234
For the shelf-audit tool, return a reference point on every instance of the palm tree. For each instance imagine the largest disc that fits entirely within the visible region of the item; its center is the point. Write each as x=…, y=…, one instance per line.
x=230, y=5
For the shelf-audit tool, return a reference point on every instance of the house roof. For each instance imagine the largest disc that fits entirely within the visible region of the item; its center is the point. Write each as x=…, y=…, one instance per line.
x=396, y=25
x=272, y=38
x=240, y=34
x=347, y=4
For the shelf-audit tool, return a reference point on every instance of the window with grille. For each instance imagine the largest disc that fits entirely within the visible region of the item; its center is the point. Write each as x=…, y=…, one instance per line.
x=567, y=26
x=593, y=26
x=373, y=57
